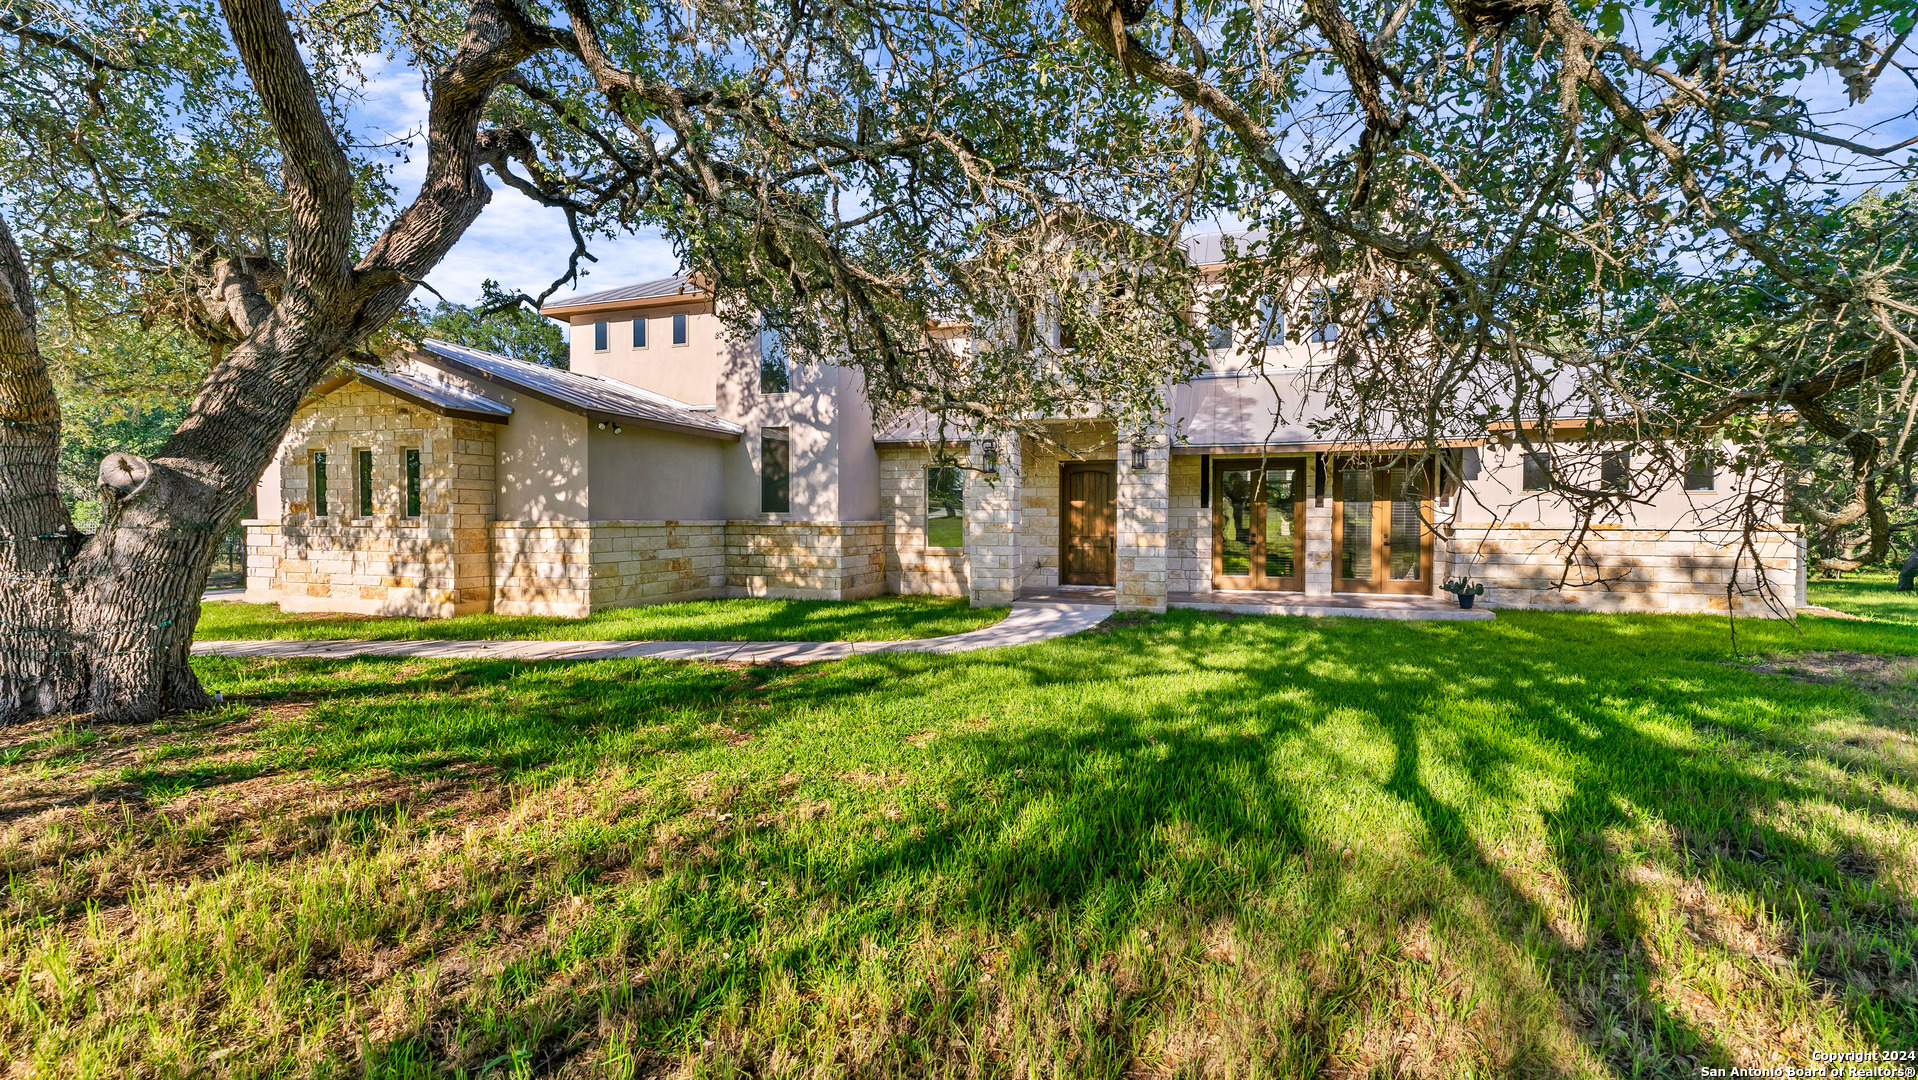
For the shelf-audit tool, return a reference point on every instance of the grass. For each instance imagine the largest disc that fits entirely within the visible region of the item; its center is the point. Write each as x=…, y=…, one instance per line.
x=882, y=618
x=946, y=532
x=1873, y=595
x=1547, y=845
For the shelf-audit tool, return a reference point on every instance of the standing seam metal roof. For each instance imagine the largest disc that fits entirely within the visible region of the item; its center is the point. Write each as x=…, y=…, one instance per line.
x=589, y=394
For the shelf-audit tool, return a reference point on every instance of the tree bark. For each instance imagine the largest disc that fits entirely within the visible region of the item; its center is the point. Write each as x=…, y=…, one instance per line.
x=106, y=627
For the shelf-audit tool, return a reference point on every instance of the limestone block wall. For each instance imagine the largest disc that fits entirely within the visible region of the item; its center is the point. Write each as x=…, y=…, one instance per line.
x=1144, y=498
x=1039, y=507
x=807, y=560
x=1619, y=569
x=574, y=568
x=384, y=563
x=995, y=544
x=1317, y=542
x=910, y=566
x=1189, y=529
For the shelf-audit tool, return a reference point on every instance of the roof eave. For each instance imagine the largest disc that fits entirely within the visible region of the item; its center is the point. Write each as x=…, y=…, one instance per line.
x=334, y=382
x=562, y=311
x=593, y=415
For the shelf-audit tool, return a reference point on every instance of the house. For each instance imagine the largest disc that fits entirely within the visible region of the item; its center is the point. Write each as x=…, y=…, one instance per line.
x=674, y=461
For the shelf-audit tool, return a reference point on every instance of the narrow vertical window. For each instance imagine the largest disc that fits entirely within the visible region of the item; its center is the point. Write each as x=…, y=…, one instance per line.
x=679, y=329
x=945, y=507
x=1218, y=334
x=1324, y=310
x=599, y=336
x=1538, y=472
x=775, y=374
x=639, y=332
x=1615, y=470
x=1272, y=321
x=775, y=471
x=319, y=483
x=412, y=483
x=1700, y=473
x=366, y=483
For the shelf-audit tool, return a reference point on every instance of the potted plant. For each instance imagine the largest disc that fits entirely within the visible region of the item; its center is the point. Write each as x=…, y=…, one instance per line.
x=1465, y=589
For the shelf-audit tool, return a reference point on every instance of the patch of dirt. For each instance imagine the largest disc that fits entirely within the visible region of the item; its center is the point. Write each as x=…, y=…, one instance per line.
x=1869, y=671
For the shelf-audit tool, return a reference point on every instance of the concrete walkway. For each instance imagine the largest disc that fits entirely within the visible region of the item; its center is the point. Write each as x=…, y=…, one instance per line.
x=1027, y=622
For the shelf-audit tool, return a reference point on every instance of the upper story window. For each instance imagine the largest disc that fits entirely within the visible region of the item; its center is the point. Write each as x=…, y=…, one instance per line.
x=775, y=470
x=1538, y=471
x=1271, y=321
x=679, y=328
x=1324, y=330
x=1615, y=470
x=639, y=332
x=599, y=336
x=1701, y=474
x=1218, y=334
x=775, y=370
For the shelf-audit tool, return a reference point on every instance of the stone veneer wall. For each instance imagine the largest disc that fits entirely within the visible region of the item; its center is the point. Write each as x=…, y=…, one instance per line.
x=1039, y=507
x=436, y=564
x=910, y=567
x=574, y=568
x=995, y=544
x=1189, y=532
x=806, y=560
x=1144, y=502
x=1622, y=569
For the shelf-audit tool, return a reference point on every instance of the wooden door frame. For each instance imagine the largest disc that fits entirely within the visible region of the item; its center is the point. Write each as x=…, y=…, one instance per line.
x=1292, y=463
x=1381, y=582
x=1110, y=468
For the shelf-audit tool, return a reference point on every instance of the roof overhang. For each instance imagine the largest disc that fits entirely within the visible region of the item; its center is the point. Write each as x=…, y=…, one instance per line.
x=1382, y=447
x=591, y=414
x=412, y=395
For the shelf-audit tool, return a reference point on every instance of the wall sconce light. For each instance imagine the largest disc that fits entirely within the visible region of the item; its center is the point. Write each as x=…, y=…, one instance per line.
x=989, y=449
x=602, y=425
x=1138, y=455
x=617, y=430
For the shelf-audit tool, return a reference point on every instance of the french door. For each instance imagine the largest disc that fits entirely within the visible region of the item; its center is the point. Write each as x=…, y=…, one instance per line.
x=1381, y=537
x=1258, y=517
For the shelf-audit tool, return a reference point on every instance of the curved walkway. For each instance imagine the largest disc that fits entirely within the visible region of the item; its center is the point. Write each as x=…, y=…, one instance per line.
x=1027, y=622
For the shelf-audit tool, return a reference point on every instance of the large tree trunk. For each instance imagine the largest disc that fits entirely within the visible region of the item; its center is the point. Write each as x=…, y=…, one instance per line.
x=106, y=627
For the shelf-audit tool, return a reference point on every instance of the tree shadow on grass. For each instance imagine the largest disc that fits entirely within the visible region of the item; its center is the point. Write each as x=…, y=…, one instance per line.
x=1336, y=795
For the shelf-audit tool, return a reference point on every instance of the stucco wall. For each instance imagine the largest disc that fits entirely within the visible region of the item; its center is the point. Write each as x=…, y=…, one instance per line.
x=688, y=373
x=646, y=474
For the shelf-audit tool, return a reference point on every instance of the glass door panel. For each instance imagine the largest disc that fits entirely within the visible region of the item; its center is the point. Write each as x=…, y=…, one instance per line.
x=1355, y=524
x=1407, y=538
x=1256, y=518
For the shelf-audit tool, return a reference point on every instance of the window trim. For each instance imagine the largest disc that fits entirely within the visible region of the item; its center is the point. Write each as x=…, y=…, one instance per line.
x=602, y=336
x=925, y=521
x=414, y=472
x=316, y=482
x=363, y=479
x=768, y=485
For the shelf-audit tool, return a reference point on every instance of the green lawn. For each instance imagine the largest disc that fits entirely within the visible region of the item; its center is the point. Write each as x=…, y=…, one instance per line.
x=882, y=618
x=946, y=532
x=1873, y=595
x=1546, y=845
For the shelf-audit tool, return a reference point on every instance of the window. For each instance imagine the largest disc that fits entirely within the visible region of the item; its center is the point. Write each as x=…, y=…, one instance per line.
x=1538, y=471
x=412, y=482
x=679, y=329
x=1615, y=471
x=1218, y=334
x=599, y=336
x=945, y=507
x=775, y=471
x=775, y=374
x=1700, y=473
x=1272, y=321
x=319, y=483
x=639, y=332
x=1324, y=330
x=366, y=481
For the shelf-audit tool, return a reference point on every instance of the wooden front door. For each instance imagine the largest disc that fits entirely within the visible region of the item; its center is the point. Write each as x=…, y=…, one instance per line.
x=1087, y=538
x=1381, y=528
x=1258, y=516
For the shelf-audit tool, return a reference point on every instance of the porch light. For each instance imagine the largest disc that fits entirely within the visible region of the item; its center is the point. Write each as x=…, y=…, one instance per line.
x=989, y=449
x=1138, y=455
x=617, y=430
